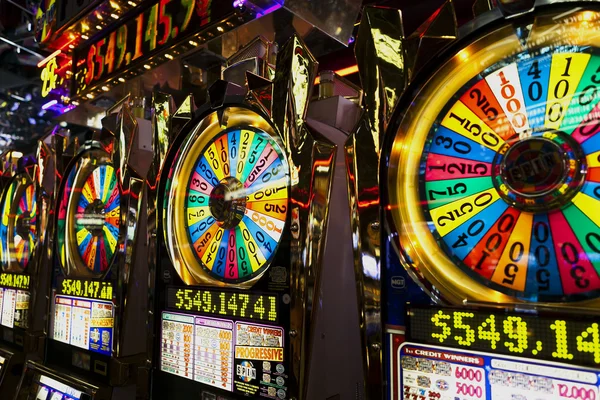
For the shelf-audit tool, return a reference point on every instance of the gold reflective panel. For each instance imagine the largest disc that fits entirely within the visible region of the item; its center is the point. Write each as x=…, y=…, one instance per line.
x=311, y=168
x=379, y=51
x=493, y=178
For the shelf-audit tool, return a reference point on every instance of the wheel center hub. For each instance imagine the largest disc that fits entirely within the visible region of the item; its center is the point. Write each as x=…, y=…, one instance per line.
x=23, y=226
x=228, y=203
x=93, y=217
x=541, y=172
x=534, y=167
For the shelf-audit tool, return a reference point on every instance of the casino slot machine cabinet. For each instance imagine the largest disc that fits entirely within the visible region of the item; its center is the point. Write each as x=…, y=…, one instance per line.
x=18, y=257
x=99, y=291
x=241, y=217
x=489, y=186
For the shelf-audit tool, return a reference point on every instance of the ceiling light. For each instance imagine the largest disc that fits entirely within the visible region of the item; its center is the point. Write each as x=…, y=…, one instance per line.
x=49, y=104
x=121, y=80
x=147, y=66
x=170, y=57
x=89, y=96
x=193, y=43
x=105, y=88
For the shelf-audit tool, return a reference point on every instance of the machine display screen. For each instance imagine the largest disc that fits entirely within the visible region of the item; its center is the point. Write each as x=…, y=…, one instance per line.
x=83, y=323
x=224, y=303
x=15, y=281
x=234, y=356
x=51, y=389
x=14, y=306
x=442, y=373
x=14, y=299
x=570, y=339
x=92, y=289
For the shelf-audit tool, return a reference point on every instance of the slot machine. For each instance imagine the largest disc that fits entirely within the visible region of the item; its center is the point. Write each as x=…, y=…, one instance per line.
x=488, y=191
x=242, y=204
x=17, y=242
x=34, y=194
x=99, y=288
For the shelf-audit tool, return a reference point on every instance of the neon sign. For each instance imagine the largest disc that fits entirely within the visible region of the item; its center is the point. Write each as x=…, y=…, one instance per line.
x=157, y=27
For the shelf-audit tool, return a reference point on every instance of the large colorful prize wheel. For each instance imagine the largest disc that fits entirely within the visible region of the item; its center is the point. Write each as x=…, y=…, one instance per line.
x=89, y=216
x=226, y=200
x=493, y=173
x=18, y=224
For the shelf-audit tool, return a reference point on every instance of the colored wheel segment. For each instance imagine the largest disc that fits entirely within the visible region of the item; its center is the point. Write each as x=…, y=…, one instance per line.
x=89, y=217
x=236, y=203
x=510, y=176
x=97, y=219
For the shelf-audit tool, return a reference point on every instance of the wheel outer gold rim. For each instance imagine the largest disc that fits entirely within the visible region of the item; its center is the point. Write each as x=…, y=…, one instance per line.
x=428, y=261
x=176, y=236
x=75, y=266
x=20, y=183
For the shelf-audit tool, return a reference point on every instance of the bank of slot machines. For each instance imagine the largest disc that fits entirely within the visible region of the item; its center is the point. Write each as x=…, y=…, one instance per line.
x=489, y=191
x=183, y=256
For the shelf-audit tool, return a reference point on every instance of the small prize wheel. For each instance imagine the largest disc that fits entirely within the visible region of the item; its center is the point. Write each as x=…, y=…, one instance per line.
x=18, y=223
x=227, y=199
x=493, y=176
x=89, y=216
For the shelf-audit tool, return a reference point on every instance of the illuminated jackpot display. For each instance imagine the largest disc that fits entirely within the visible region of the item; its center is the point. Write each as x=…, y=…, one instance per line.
x=157, y=27
x=224, y=303
x=569, y=340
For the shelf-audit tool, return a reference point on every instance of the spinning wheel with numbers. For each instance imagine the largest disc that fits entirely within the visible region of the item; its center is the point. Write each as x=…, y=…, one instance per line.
x=89, y=216
x=18, y=223
x=227, y=204
x=498, y=190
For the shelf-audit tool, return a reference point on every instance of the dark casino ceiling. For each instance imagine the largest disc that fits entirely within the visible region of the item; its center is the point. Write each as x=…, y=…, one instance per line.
x=23, y=118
